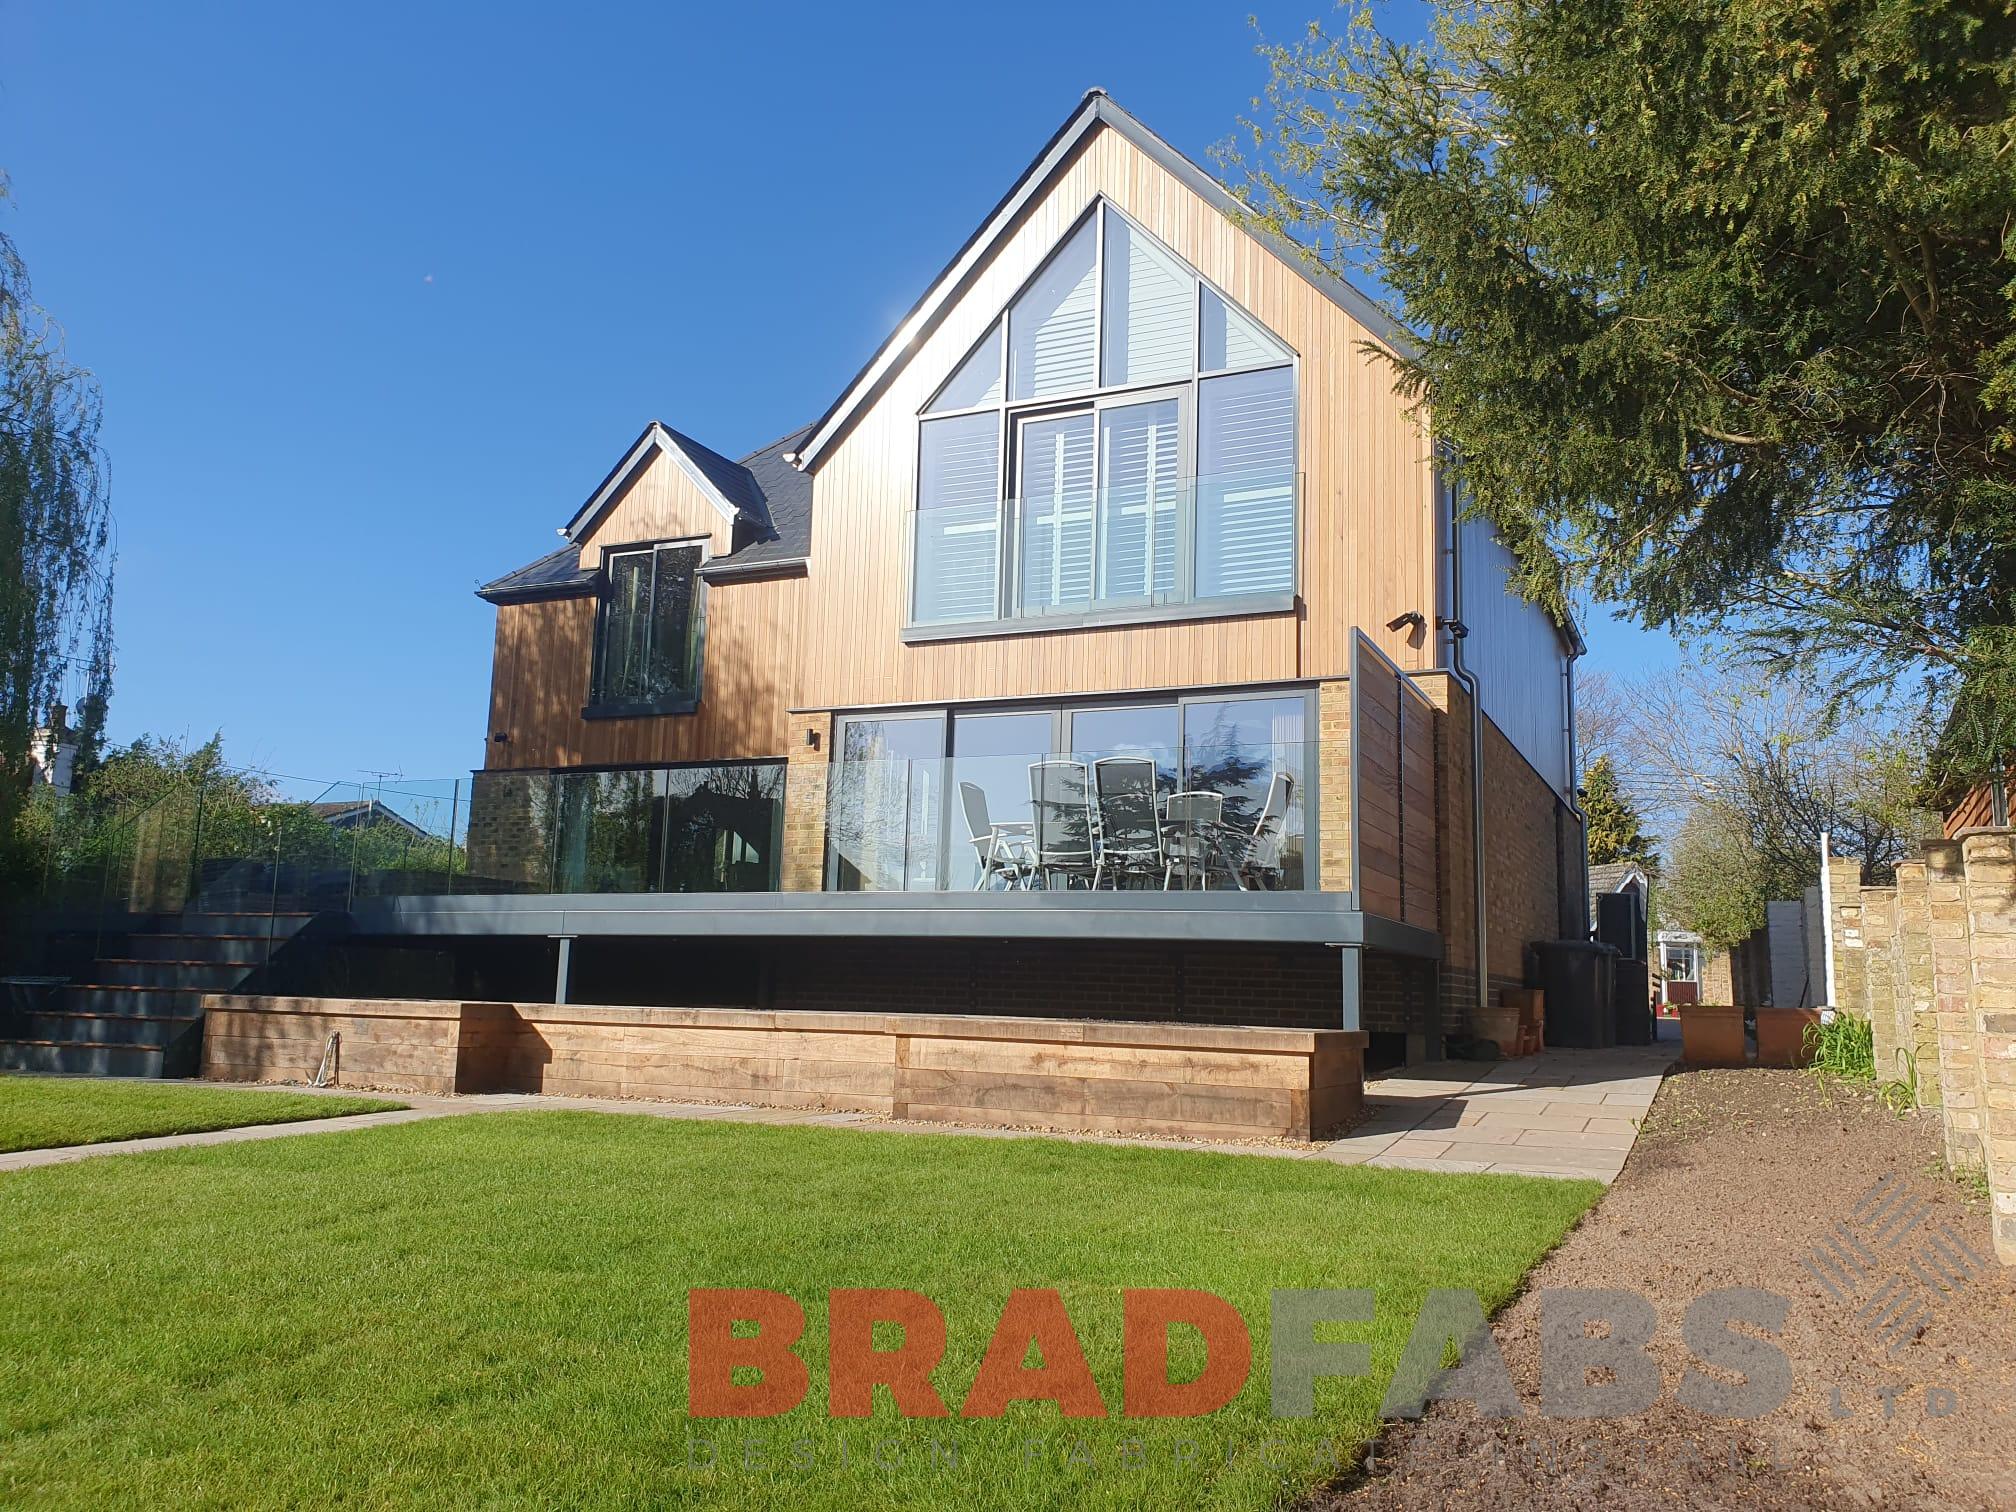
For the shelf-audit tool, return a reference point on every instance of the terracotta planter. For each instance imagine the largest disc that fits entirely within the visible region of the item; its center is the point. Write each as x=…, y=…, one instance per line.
x=1781, y=1036
x=1711, y=1034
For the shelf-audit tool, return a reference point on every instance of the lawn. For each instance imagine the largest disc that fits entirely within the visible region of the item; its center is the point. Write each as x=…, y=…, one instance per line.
x=43, y=1112
x=491, y=1310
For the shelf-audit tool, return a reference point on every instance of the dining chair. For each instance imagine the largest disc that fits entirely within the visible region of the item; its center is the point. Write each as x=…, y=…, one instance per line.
x=1191, y=825
x=1060, y=800
x=1130, y=831
x=1003, y=847
x=1261, y=867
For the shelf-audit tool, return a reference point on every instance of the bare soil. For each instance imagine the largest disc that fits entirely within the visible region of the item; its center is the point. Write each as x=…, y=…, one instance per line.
x=1736, y=1179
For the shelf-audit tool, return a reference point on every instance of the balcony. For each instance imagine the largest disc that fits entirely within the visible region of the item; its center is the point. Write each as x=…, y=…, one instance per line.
x=1220, y=828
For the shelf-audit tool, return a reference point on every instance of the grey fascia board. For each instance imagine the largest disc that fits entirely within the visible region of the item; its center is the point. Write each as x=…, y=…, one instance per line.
x=1097, y=108
x=532, y=595
x=1284, y=918
x=1250, y=606
x=732, y=571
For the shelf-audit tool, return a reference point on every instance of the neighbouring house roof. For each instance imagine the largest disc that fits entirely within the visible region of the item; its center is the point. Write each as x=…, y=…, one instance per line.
x=771, y=500
x=360, y=813
x=1096, y=109
x=1616, y=877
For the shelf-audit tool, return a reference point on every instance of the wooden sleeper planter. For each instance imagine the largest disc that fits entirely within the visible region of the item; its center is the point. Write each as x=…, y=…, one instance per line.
x=1781, y=1036
x=1711, y=1034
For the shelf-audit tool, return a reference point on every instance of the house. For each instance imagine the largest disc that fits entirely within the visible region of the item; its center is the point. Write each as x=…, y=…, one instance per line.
x=1130, y=479
x=366, y=813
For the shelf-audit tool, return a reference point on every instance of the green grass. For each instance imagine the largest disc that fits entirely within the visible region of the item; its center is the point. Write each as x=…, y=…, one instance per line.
x=44, y=1112
x=490, y=1311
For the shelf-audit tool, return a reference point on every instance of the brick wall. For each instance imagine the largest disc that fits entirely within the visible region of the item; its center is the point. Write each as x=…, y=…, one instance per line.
x=1522, y=859
x=508, y=828
x=804, y=864
x=1333, y=787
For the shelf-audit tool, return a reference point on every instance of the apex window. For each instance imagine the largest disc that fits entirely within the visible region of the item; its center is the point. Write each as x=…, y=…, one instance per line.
x=647, y=642
x=1121, y=438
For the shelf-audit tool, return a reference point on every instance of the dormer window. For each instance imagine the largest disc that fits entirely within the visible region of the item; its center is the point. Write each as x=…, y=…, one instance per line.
x=1120, y=442
x=647, y=642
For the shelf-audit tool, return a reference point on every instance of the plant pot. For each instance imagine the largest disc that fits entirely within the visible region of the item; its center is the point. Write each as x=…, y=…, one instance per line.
x=1711, y=1034
x=1781, y=1036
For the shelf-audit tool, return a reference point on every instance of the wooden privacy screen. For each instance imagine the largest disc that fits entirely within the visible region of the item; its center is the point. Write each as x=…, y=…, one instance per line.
x=1394, y=804
x=1081, y=1074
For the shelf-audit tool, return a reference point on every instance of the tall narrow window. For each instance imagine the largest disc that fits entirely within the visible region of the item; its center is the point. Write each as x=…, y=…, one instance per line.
x=1246, y=483
x=958, y=520
x=645, y=653
x=1056, y=467
x=1051, y=327
x=1140, y=488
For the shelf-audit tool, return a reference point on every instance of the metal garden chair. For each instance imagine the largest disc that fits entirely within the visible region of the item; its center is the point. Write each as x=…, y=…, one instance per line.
x=1060, y=799
x=1130, y=831
x=1192, y=824
x=1004, y=849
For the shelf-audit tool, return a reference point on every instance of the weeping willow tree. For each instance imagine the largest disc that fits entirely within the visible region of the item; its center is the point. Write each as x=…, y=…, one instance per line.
x=55, y=539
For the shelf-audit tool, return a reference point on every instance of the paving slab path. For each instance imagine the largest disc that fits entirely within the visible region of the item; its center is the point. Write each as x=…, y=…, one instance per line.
x=1559, y=1113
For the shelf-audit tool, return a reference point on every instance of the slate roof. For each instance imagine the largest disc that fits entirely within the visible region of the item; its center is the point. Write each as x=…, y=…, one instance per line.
x=787, y=496
x=773, y=504
x=558, y=574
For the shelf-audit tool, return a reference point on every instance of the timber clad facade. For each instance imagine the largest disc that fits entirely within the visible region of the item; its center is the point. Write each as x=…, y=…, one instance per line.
x=1131, y=480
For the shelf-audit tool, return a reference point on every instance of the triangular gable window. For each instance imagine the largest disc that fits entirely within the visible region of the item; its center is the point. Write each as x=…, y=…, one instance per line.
x=977, y=380
x=1141, y=450
x=1233, y=339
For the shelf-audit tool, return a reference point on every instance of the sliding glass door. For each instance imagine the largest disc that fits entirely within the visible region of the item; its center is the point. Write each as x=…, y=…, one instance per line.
x=911, y=793
x=885, y=806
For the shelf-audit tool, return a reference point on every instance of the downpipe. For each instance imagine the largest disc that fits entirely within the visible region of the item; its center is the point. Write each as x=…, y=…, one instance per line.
x=1456, y=630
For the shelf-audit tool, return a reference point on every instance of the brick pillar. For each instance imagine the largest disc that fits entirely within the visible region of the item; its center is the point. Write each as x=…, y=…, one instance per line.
x=1917, y=1015
x=1952, y=967
x=1879, y=985
x=1333, y=785
x=1455, y=858
x=1718, y=978
x=805, y=773
x=1849, y=935
x=1988, y=860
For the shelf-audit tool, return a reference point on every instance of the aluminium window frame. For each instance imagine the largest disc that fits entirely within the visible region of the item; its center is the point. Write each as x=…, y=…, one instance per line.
x=1008, y=618
x=686, y=701
x=1061, y=708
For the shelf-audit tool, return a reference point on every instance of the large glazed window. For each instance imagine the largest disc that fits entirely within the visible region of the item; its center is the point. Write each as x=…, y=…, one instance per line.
x=645, y=649
x=1121, y=439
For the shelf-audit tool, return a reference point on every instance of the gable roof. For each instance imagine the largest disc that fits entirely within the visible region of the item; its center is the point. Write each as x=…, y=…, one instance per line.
x=775, y=502
x=1615, y=877
x=1096, y=109
x=726, y=485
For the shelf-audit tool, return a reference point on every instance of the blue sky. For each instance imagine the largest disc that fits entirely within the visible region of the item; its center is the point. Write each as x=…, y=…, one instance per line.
x=376, y=295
